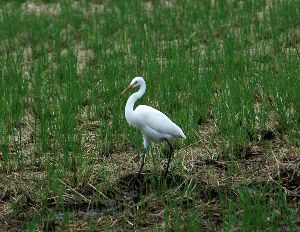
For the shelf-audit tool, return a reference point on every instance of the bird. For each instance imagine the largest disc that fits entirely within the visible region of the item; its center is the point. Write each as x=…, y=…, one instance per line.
x=155, y=126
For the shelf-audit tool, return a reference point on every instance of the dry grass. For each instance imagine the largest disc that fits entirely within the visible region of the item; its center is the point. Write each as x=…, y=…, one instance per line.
x=272, y=161
x=199, y=171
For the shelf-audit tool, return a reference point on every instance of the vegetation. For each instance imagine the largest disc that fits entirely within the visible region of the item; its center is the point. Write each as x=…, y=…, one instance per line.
x=226, y=71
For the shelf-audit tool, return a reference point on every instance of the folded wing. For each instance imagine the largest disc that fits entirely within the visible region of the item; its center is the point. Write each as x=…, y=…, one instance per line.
x=158, y=121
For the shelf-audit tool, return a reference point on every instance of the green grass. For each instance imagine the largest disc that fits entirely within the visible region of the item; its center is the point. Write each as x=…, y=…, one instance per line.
x=226, y=71
x=255, y=208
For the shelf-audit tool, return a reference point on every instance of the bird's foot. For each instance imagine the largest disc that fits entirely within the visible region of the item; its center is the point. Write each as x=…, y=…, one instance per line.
x=135, y=181
x=166, y=175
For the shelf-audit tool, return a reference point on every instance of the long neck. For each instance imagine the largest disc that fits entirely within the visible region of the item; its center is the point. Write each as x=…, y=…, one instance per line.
x=131, y=100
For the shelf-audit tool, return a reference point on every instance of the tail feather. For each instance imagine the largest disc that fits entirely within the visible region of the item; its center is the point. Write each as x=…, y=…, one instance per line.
x=182, y=135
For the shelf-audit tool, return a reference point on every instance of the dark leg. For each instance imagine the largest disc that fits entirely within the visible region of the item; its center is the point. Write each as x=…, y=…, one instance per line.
x=146, y=143
x=142, y=163
x=169, y=157
x=136, y=180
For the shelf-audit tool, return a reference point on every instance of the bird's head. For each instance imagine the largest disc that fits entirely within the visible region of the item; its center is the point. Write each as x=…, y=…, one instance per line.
x=137, y=81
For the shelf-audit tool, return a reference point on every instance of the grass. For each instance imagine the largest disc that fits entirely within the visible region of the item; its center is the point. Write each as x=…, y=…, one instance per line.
x=227, y=72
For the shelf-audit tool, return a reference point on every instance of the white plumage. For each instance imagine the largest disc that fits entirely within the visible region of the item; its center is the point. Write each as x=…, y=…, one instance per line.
x=154, y=125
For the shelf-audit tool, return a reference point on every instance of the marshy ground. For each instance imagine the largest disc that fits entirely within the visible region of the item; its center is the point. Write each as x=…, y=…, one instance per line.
x=227, y=72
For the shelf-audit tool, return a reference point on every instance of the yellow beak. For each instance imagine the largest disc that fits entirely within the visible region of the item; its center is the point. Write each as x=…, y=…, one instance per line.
x=128, y=88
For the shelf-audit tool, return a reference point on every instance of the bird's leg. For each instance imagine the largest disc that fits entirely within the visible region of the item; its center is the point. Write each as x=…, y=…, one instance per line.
x=142, y=163
x=169, y=157
x=136, y=180
x=146, y=143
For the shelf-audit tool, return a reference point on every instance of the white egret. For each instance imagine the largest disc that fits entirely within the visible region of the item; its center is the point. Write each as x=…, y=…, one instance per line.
x=154, y=125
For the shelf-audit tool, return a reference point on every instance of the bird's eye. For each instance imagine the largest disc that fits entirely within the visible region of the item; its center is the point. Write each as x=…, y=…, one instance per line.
x=135, y=83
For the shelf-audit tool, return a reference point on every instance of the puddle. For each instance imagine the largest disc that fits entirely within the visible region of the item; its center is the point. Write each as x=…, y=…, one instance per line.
x=111, y=207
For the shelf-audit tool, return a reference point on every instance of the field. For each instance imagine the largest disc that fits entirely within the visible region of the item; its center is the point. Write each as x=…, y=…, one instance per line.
x=226, y=71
